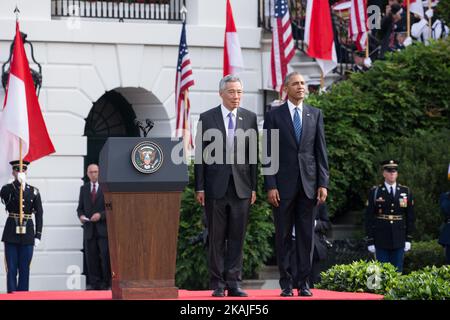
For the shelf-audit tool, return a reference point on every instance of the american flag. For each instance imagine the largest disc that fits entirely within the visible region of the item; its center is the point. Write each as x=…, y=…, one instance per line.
x=282, y=43
x=358, y=23
x=183, y=81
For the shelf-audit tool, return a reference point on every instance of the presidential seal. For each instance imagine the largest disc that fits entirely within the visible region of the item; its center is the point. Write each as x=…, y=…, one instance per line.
x=147, y=157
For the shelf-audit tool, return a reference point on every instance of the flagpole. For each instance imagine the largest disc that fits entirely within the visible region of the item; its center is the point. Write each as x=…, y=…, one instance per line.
x=186, y=136
x=21, y=189
x=408, y=19
x=367, y=40
x=322, y=80
x=429, y=20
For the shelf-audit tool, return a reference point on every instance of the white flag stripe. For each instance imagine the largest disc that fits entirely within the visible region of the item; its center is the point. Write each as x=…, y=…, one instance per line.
x=234, y=52
x=15, y=112
x=13, y=125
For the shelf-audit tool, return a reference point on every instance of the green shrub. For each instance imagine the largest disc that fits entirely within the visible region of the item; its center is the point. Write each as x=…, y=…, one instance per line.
x=431, y=283
x=360, y=276
x=423, y=254
x=443, y=11
x=424, y=159
x=395, y=98
x=192, y=269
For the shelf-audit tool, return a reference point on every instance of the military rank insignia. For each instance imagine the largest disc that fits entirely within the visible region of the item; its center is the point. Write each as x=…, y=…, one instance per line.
x=403, y=200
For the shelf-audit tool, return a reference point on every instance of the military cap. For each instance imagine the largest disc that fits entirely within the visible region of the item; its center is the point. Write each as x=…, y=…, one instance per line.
x=389, y=164
x=16, y=164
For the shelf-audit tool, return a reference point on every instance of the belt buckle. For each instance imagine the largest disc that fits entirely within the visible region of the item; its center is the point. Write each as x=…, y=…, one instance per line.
x=390, y=217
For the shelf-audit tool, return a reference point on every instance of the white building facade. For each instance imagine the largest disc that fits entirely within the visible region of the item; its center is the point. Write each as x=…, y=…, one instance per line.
x=95, y=70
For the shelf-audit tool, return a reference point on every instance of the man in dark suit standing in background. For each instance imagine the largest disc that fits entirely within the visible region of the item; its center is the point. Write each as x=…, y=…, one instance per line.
x=301, y=181
x=225, y=183
x=91, y=212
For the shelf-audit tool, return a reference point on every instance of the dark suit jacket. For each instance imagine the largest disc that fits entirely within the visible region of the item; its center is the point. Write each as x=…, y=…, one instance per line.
x=213, y=178
x=87, y=208
x=307, y=161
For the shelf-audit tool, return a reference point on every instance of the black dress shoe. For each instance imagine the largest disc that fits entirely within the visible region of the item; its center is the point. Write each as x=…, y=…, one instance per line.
x=237, y=292
x=219, y=292
x=304, y=292
x=286, y=292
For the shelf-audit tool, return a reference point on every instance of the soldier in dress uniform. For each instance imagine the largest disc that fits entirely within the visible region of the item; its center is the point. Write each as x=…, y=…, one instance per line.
x=20, y=239
x=390, y=218
x=444, y=237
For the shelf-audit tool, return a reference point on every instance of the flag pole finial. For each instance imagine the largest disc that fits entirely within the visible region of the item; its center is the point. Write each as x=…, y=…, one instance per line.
x=17, y=12
x=183, y=12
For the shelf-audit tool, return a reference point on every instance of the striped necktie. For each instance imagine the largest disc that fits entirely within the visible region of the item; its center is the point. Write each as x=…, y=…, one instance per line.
x=297, y=125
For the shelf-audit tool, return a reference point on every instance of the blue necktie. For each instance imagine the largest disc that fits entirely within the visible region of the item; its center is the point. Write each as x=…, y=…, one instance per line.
x=230, y=129
x=297, y=125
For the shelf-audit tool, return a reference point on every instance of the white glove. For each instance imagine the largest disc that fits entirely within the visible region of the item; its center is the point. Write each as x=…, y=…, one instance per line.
x=22, y=177
x=407, y=246
x=429, y=13
x=407, y=41
x=371, y=248
x=368, y=62
x=36, y=242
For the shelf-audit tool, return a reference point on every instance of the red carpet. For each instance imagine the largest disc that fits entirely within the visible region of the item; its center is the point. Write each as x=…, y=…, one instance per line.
x=189, y=295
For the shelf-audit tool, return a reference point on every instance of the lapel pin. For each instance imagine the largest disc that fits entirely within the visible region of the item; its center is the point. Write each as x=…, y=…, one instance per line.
x=240, y=118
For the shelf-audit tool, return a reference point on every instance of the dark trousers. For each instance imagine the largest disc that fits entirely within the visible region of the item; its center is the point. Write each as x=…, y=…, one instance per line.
x=316, y=268
x=298, y=212
x=227, y=222
x=97, y=261
x=18, y=258
x=394, y=257
x=447, y=254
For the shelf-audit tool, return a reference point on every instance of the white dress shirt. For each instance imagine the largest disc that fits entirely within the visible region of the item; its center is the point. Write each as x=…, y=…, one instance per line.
x=388, y=187
x=292, y=110
x=96, y=186
x=226, y=119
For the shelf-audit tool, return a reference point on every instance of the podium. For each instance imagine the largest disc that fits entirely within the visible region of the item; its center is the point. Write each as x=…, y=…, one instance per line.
x=142, y=189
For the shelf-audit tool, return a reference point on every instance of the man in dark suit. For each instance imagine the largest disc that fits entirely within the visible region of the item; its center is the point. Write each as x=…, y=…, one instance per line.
x=390, y=218
x=91, y=212
x=20, y=239
x=301, y=181
x=225, y=183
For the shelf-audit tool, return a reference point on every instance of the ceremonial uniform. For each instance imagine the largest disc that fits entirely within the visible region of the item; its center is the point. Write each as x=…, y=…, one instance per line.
x=390, y=222
x=19, y=244
x=444, y=238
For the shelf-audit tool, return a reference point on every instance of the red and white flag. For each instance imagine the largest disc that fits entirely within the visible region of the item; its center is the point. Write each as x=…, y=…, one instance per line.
x=283, y=49
x=21, y=117
x=358, y=23
x=184, y=80
x=319, y=35
x=232, y=54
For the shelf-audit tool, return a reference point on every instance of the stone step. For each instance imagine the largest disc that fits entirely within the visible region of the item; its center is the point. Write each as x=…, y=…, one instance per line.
x=268, y=273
